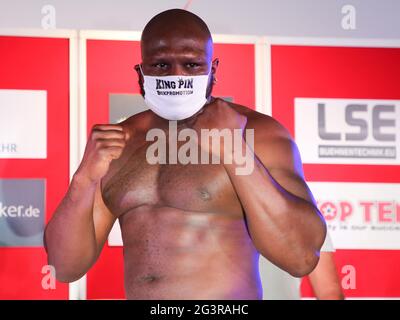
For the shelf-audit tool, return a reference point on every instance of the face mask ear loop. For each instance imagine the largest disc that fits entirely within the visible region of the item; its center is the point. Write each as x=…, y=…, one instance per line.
x=210, y=72
x=141, y=70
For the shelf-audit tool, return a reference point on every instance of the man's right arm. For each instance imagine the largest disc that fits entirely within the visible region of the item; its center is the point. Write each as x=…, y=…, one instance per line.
x=80, y=225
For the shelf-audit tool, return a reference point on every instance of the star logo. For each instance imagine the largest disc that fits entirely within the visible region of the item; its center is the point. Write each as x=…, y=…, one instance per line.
x=328, y=209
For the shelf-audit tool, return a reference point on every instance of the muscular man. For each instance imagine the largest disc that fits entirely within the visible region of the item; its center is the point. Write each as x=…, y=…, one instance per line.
x=190, y=231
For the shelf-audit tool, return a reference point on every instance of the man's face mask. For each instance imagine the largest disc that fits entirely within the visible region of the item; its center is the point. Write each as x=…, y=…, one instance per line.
x=175, y=97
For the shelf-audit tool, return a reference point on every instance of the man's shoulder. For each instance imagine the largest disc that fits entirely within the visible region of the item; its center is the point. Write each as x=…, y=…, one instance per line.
x=273, y=143
x=263, y=124
x=138, y=122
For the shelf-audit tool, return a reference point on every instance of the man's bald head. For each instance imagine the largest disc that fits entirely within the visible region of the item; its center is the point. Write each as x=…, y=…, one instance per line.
x=177, y=42
x=170, y=25
x=175, y=21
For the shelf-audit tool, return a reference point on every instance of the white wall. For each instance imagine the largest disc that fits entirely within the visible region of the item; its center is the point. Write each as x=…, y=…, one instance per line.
x=375, y=18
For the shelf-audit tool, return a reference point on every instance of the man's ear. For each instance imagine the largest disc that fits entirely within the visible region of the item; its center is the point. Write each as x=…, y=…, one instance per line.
x=139, y=73
x=214, y=66
x=140, y=78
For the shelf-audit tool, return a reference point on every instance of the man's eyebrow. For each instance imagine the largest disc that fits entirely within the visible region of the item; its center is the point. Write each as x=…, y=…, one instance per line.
x=183, y=57
x=182, y=50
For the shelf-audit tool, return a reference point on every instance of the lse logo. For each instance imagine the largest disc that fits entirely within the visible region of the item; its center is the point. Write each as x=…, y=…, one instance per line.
x=355, y=117
x=353, y=131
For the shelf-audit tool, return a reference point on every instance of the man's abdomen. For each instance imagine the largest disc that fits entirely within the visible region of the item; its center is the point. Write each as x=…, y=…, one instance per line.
x=175, y=254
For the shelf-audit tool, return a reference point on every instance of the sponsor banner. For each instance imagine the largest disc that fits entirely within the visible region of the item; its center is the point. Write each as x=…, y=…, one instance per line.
x=23, y=124
x=348, y=131
x=22, y=215
x=360, y=215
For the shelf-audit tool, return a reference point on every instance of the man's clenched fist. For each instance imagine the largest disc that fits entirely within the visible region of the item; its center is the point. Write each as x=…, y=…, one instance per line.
x=106, y=143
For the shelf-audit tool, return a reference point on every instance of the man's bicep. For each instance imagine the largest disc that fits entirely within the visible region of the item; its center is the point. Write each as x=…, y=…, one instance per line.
x=281, y=157
x=292, y=183
x=103, y=219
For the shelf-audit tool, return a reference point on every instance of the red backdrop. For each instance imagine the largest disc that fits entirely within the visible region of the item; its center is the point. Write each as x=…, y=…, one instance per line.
x=37, y=64
x=339, y=72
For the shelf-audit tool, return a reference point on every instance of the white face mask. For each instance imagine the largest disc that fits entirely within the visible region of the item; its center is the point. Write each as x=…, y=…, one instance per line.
x=175, y=97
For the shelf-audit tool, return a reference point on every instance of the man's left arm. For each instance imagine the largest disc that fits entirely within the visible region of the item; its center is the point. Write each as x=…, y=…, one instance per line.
x=283, y=220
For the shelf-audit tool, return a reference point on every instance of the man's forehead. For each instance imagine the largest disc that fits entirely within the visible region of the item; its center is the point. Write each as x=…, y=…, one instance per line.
x=177, y=44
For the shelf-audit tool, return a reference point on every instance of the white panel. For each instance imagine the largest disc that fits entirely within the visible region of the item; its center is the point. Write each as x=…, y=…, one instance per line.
x=360, y=215
x=23, y=124
x=115, y=237
x=331, y=131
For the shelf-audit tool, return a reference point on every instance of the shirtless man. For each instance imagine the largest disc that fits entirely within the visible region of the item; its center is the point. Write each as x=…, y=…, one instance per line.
x=190, y=231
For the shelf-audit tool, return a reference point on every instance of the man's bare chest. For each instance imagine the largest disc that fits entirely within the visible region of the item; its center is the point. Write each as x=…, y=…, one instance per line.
x=133, y=182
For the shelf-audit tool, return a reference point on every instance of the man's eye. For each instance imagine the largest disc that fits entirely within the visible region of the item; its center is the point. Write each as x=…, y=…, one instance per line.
x=192, y=65
x=161, y=65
